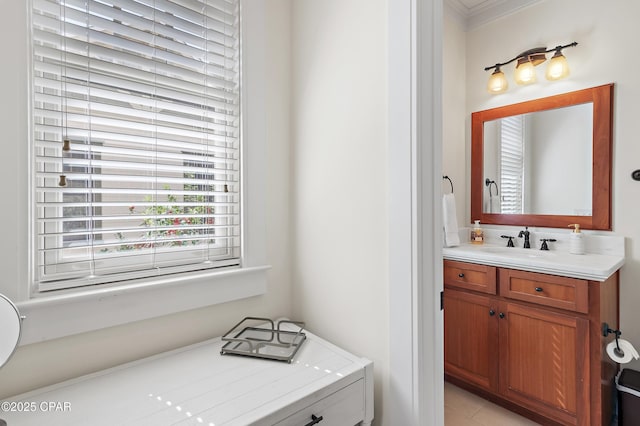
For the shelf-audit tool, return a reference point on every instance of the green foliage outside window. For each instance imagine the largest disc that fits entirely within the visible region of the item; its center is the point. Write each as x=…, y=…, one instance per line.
x=170, y=224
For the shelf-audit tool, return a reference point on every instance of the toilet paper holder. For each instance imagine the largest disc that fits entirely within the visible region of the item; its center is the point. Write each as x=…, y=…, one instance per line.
x=606, y=331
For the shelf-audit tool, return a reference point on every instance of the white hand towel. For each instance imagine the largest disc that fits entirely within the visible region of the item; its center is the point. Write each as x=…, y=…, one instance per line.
x=449, y=221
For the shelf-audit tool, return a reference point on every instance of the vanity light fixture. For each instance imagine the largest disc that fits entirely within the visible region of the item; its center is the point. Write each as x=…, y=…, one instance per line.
x=525, y=72
x=497, y=82
x=558, y=67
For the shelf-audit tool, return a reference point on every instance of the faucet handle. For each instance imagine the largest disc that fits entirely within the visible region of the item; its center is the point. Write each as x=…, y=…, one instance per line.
x=544, y=243
x=510, y=242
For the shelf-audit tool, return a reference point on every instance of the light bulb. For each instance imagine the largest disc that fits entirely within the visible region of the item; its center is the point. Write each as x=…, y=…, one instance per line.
x=525, y=73
x=558, y=67
x=497, y=82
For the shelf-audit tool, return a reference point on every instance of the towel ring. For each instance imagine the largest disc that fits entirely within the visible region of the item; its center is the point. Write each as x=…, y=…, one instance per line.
x=488, y=182
x=450, y=182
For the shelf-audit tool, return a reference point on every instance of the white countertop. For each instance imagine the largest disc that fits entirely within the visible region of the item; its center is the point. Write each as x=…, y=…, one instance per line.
x=595, y=267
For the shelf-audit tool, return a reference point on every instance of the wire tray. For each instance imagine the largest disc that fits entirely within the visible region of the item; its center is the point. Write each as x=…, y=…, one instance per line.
x=266, y=340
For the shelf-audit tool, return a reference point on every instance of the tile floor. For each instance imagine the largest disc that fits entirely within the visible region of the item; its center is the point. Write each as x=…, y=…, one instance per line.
x=462, y=408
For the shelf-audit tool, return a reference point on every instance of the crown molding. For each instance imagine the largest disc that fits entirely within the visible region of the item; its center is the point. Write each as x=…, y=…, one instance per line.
x=475, y=13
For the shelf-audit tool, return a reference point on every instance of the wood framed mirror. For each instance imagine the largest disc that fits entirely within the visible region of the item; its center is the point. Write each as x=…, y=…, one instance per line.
x=545, y=162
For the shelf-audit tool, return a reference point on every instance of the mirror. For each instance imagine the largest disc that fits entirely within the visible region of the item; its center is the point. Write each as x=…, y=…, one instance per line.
x=545, y=162
x=10, y=327
x=526, y=153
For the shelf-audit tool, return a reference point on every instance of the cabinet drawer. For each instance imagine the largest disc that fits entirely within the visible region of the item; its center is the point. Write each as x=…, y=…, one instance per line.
x=342, y=408
x=470, y=276
x=549, y=290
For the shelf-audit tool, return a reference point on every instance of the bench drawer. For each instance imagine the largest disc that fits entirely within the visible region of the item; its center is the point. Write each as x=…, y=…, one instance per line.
x=344, y=407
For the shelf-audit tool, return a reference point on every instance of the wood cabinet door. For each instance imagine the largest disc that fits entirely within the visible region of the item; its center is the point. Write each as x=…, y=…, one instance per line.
x=471, y=337
x=544, y=362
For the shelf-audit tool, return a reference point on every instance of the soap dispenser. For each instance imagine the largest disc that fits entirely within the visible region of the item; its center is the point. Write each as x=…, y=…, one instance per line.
x=576, y=240
x=477, y=234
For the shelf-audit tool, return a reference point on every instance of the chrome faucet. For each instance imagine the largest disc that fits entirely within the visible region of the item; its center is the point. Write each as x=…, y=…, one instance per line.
x=525, y=233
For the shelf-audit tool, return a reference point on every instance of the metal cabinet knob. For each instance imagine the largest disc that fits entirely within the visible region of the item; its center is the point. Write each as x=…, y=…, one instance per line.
x=492, y=313
x=461, y=275
x=539, y=289
x=501, y=315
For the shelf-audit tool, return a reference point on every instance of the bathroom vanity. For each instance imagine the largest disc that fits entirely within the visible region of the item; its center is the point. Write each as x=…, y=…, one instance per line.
x=196, y=385
x=531, y=339
x=524, y=326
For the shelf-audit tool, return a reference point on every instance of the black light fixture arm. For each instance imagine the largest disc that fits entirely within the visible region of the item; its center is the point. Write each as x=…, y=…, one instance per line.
x=575, y=43
x=497, y=66
x=526, y=53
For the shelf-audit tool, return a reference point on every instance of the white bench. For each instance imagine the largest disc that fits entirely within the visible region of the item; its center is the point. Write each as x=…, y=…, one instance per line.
x=195, y=385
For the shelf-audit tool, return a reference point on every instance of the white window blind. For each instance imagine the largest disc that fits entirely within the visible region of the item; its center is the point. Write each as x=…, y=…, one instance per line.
x=511, y=164
x=147, y=95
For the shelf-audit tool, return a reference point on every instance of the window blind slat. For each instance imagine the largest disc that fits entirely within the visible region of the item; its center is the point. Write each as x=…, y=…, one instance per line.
x=75, y=92
x=142, y=148
x=148, y=95
x=121, y=77
x=46, y=134
x=207, y=75
x=220, y=166
x=511, y=164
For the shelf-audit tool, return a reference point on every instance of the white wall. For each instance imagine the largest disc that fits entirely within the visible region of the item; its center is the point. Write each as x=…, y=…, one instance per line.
x=327, y=212
x=455, y=155
x=602, y=56
x=339, y=160
x=40, y=364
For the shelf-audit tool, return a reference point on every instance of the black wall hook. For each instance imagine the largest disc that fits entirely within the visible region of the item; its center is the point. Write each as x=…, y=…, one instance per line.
x=450, y=182
x=606, y=331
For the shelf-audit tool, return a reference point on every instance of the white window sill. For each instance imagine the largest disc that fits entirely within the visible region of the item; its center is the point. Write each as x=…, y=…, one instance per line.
x=51, y=317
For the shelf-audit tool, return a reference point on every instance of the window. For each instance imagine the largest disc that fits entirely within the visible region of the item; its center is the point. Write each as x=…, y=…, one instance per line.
x=512, y=130
x=76, y=203
x=147, y=95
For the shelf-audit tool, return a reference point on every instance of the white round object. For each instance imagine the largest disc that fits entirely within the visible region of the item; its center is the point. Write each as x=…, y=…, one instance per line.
x=10, y=323
x=628, y=349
